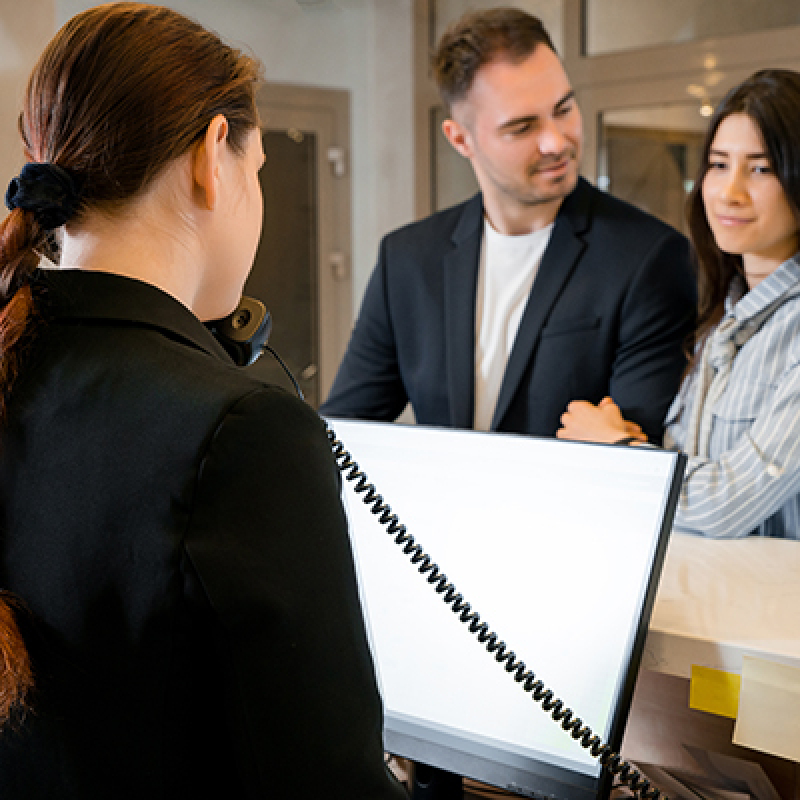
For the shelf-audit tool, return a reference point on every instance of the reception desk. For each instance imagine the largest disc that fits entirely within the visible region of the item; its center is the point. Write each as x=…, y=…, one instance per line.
x=729, y=610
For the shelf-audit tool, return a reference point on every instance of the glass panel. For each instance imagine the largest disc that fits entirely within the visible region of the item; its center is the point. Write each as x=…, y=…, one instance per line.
x=616, y=25
x=650, y=157
x=550, y=12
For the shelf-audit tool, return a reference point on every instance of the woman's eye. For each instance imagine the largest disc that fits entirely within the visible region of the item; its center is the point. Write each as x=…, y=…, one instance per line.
x=762, y=169
x=716, y=165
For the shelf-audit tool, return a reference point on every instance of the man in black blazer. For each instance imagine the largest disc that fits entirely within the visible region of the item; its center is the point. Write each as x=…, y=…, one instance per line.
x=611, y=299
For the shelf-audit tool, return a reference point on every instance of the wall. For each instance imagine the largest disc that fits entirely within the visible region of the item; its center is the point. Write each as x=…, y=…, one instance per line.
x=25, y=28
x=363, y=46
x=550, y=12
x=615, y=25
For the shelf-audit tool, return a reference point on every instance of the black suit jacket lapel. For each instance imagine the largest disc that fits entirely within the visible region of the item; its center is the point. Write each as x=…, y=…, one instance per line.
x=558, y=263
x=460, y=285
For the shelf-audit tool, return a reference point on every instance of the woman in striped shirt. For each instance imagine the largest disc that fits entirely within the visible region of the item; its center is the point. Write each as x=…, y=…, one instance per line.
x=737, y=414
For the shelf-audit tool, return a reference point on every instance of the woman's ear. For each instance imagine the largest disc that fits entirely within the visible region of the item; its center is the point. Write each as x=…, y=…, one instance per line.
x=206, y=161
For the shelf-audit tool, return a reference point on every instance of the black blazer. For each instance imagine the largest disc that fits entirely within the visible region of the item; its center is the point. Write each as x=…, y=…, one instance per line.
x=609, y=313
x=175, y=529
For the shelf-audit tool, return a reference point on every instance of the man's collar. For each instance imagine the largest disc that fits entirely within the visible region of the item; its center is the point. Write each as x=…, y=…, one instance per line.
x=574, y=209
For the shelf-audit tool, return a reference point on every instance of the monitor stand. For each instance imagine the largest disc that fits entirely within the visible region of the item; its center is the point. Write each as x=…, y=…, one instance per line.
x=432, y=783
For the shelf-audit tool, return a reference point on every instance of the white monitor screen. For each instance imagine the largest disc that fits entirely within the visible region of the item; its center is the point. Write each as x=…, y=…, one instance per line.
x=557, y=545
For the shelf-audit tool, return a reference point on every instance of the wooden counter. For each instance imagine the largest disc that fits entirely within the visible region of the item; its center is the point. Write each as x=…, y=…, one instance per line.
x=718, y=602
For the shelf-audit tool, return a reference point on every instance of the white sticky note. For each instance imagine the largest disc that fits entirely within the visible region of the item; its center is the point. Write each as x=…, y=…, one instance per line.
x=769, y=708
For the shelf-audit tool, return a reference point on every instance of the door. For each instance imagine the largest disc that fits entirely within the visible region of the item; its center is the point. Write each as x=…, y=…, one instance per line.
x=302, y=268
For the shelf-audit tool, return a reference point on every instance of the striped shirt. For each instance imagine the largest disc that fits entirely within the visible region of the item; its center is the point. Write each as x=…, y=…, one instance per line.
x=750, y=483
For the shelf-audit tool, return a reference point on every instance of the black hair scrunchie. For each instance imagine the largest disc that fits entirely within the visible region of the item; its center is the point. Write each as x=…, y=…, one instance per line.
x=49, y=191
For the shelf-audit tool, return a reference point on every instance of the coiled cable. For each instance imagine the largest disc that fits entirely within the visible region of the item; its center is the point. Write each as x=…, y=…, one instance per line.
x=625, y=773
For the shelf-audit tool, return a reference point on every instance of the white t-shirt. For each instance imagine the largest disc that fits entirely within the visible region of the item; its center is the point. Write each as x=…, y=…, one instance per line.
x=507, y=269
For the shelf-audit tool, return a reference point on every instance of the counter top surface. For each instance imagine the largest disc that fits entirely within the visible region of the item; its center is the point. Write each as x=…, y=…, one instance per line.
x=721, y=599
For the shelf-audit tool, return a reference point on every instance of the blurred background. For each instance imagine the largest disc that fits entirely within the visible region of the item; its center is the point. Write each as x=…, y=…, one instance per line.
x=351, y=123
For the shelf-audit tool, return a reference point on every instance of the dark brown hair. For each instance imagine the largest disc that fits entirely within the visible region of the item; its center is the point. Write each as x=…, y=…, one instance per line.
x=771, y=98
x=119, y=93
x=479, y=38
x=16, y=676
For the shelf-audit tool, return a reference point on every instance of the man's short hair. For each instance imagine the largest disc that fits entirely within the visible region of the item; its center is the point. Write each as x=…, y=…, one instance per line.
x=479, y=38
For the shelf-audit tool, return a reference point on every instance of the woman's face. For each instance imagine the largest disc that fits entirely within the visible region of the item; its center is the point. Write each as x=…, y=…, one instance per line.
x=747, y=209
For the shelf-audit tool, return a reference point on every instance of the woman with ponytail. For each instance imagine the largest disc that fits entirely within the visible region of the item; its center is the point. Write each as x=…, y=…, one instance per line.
x=170, y=525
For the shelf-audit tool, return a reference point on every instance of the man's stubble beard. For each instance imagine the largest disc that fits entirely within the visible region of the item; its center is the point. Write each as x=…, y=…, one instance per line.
x=531, y=197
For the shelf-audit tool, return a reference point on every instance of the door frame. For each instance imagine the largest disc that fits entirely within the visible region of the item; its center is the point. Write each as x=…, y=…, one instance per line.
x=325, y=113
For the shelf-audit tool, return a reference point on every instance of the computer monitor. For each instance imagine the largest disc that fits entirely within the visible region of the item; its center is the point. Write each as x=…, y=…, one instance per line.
x=557, y=545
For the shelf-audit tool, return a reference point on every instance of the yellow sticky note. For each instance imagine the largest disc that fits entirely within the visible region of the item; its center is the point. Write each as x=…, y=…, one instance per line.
x=714, y=691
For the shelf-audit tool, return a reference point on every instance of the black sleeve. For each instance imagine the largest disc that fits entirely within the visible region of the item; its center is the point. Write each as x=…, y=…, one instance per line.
x=656, y=320
x=368, y=384
x=268, y=540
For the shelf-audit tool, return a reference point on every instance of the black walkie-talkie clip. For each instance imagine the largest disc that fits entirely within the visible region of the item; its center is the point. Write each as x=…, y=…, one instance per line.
x=245, y=331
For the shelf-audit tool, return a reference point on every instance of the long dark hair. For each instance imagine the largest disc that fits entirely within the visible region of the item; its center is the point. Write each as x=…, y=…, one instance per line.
x=119, y=93
x=771, y=98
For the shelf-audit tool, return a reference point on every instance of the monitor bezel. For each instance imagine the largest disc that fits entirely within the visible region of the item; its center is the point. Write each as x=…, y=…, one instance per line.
x=402, y=738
